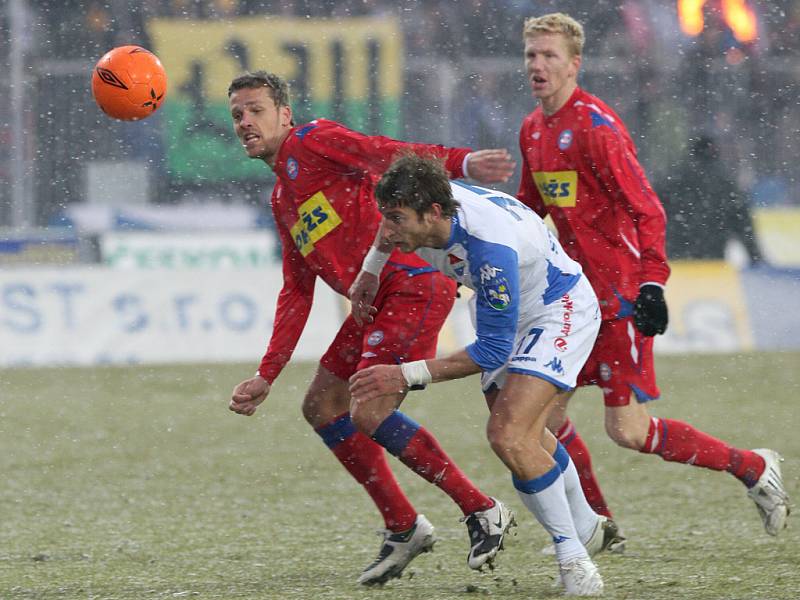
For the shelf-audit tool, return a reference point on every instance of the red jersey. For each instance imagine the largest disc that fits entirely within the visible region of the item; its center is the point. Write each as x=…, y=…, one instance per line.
x=579, y=166
x=327, y=218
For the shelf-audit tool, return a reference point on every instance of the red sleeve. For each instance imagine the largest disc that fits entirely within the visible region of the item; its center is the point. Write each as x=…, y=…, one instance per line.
x=374, y=153
x=621, y=175
x=527, y=193
x=292, y=310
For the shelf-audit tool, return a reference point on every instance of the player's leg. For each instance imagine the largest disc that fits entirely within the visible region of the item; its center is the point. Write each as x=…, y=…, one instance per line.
x=411, y=312
x=597, y=532
x=326, y=408
x=630, y=425
x=547, y=359
x=516, y=433
x=568, y=435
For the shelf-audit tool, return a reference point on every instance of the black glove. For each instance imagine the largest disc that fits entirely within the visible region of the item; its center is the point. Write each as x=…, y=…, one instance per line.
x=650, y=311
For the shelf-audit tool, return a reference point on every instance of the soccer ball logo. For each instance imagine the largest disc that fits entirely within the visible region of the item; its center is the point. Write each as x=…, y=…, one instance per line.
x=129, y=83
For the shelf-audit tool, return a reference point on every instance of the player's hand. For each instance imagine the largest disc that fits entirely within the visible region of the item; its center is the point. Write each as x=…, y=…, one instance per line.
x=650, y=311
x=362, y=294
x=248, y=395
x=490, y=166
x=377, y=381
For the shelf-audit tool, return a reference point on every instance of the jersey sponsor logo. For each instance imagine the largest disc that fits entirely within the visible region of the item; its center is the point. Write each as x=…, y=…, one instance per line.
x=566, y=322
x=557, y=188
x=375, y=338
x=565, y=139
x=292, y=168
x=317, y=219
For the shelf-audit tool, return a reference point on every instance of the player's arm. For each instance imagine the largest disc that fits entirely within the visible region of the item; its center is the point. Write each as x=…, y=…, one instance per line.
x=291, y=314
x=373, y=154
x=495, y=273
x=292, y=309
x=620, y=171
x=365, y=287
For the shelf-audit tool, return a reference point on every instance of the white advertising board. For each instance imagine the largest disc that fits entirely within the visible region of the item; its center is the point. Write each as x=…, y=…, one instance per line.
x=189, y=250
x=87, y=316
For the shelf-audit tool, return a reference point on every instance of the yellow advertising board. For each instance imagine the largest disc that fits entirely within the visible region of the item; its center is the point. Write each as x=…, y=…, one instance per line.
x=349, y=70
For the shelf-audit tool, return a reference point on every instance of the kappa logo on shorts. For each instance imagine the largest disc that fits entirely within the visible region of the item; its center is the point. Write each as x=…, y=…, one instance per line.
x=605, y=372
x=375, y=338
x=556, y=365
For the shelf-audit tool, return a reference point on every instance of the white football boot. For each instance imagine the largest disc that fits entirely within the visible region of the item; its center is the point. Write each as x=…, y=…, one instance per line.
x=768, y=493
x=397, y=550
x=580, y=577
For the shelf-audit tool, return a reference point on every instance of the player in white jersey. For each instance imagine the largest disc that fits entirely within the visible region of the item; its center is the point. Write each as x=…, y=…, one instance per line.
x=536, y=319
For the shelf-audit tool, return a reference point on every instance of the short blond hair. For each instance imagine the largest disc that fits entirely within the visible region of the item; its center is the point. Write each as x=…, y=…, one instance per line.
x=557, y=23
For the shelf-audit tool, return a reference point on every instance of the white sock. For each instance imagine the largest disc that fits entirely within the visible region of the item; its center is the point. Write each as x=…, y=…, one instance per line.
x=583, y=516
x=546, y=498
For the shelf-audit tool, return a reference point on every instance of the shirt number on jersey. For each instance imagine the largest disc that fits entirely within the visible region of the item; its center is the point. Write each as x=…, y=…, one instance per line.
x=317, y=219
x=557, y=188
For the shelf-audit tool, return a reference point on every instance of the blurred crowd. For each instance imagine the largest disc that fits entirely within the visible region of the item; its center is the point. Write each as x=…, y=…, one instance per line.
x=671, y=88
x=433, y=27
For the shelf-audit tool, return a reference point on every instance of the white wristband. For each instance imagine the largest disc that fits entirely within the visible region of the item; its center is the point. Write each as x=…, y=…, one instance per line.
x=416, y=373
x=374, y=261
x=465, y=163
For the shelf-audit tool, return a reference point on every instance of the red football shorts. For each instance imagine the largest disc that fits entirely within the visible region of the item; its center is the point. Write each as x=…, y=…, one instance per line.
x=621, y=363
x=411, y=311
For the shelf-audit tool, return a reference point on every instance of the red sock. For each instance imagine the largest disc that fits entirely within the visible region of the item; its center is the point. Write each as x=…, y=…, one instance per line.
x=677, y=441
x=366, y=462
x=425, y=456
x=579, y=453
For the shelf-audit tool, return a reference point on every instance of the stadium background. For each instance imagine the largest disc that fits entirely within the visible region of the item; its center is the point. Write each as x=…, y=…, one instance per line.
x=122, y=203
x=149, y=242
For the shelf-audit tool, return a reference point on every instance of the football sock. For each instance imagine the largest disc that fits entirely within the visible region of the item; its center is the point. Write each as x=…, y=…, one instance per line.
x=418, y=449
x=579, y=453
x=366, y=462
x=677, y=441
x=583, y=516
x=546, y=498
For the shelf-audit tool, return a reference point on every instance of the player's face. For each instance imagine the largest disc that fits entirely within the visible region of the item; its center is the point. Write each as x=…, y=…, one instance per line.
x=552, y=69
x=404, y=228
x=259, y=124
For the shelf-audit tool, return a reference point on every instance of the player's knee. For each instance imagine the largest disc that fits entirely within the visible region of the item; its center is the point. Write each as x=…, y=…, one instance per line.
x=503, y=438
x=367, y=416
x=623, y=436
x=312, y=411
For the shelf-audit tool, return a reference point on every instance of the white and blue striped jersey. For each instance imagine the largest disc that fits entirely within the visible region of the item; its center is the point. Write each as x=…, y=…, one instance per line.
x=502, y=250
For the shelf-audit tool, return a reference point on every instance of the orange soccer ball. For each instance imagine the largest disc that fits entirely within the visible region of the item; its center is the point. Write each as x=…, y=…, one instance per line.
x=129, y=83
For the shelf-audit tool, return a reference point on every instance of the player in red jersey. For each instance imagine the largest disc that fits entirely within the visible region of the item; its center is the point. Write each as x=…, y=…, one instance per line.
x=580, y=167
x=327, y=217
